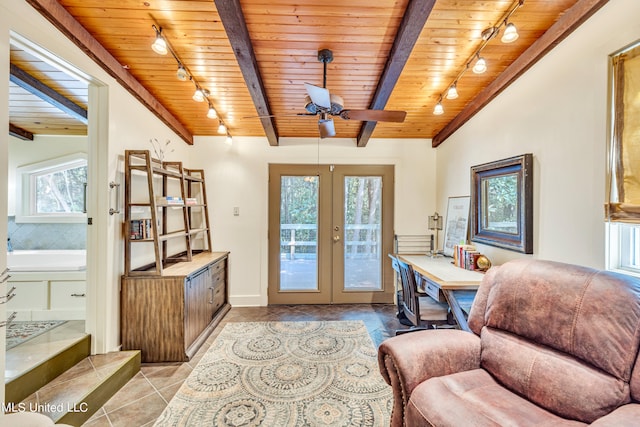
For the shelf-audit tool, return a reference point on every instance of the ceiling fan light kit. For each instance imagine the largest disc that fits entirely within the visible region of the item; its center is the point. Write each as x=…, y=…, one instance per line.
x=319, y=101
x=161, y=46
x=510, y=35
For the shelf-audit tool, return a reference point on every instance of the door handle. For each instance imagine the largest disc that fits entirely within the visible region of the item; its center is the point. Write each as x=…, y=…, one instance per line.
x=336, y=238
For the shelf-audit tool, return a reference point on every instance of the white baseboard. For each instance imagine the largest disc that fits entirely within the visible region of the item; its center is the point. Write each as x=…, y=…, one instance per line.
x=246, y=301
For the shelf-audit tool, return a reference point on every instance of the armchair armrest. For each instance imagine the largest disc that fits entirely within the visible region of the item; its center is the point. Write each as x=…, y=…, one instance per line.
x=407, y=360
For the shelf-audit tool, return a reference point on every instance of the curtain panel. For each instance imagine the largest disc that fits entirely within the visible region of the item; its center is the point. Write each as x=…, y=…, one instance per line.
x=623, y=170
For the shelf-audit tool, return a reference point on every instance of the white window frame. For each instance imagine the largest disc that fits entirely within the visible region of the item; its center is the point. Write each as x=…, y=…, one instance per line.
x=621, y=237
x=26, y=190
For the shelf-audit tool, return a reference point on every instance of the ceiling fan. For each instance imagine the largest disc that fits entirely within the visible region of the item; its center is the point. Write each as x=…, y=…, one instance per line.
x=320, y=102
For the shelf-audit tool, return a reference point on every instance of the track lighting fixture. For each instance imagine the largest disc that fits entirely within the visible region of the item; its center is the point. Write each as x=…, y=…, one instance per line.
x=452, y=93
x=438, y=109
x=481, y=66
x=229, y=139
x=199, y=95
x=182, y=74
x=509, y=35
x=212, y=114
x=161, y=46
x=222, y=129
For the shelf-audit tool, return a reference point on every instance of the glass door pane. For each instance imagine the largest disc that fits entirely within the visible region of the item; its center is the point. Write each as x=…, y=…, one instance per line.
x=362, y=233
x=299, y=233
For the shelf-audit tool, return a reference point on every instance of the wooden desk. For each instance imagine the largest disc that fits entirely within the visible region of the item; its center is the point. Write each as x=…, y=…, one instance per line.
x=441, y=275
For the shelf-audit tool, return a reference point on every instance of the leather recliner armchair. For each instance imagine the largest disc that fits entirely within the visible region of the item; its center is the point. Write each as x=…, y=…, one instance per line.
x=553, y=344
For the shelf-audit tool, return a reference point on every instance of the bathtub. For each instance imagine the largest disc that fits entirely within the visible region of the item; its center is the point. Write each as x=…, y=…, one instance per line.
x=47, y=260
x=48, y=284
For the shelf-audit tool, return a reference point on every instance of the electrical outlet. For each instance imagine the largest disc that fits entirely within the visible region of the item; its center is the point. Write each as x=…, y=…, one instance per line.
x=236, y=211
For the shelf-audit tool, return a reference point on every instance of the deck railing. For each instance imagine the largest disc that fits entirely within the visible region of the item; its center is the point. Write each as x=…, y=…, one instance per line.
x=352, y=246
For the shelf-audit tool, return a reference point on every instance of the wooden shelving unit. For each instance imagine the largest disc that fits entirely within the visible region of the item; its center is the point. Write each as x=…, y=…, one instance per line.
x=171, y=233
x=174, y=289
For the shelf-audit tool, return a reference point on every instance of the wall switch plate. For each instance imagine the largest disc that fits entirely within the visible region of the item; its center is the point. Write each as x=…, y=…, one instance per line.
x=236, y=211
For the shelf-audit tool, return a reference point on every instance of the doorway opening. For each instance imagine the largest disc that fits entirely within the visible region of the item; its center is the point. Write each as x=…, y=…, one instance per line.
x=330, y=228
x=51, y=183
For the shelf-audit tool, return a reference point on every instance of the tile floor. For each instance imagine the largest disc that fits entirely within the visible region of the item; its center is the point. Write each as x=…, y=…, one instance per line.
x=146, y=395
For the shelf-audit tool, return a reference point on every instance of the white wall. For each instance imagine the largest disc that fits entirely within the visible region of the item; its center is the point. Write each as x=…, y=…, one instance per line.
x=237, y=176
x=557, y=111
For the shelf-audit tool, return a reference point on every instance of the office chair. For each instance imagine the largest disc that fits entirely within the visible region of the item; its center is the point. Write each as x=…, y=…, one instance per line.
x=419, y=312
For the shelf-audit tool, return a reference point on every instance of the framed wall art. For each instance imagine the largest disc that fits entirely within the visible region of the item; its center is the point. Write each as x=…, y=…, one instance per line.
x=456, y=225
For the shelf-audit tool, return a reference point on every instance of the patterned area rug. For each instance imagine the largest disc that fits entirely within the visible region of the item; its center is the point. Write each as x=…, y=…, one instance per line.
x=19, y=331
x=285, y=374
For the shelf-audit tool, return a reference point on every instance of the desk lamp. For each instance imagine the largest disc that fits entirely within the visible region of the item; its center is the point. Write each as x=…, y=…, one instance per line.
x=435, y=223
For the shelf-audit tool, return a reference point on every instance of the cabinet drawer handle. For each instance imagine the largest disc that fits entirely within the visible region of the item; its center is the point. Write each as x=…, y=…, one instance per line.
x=212, y=293
x=9, y=320
x=78, y=295
x=6, y=298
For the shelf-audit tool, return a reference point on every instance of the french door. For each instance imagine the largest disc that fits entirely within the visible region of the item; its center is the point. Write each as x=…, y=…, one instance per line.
x=330, y=230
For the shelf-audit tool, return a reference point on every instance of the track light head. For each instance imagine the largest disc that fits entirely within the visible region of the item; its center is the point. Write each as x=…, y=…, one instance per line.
x=490, y=33
x=452, y=93
x=182, y=74
x=159, y=45
x=229, y=139
x=212, y=113
x=200, y=94
x=510, y=33
x=438, y=109
x=222, y=129
x=480, y=66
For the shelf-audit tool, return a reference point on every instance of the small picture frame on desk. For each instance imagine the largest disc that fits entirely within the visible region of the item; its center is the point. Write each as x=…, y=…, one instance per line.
x=456, y=225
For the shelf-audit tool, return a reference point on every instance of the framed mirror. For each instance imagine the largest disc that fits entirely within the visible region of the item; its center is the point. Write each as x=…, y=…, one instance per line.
x=502, y=203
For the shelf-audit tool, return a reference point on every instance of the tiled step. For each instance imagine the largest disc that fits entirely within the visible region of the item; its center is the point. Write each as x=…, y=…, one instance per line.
x=53, y=361
x=74, y=396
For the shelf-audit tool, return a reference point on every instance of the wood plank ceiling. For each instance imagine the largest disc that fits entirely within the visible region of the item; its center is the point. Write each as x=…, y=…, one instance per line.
x=284, y=38
x=44, y=99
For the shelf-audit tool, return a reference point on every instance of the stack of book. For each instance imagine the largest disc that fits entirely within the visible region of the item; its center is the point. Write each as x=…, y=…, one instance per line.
x=141, y=229
x=466, y=256
x=191, y=201
x=169, y=200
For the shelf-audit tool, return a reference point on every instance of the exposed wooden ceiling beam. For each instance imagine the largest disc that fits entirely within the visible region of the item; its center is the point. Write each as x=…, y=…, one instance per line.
x=410, y=28
x=572, y=19
x=63, y=21
x=20, y=133
x=44, y=92
x=236, y=28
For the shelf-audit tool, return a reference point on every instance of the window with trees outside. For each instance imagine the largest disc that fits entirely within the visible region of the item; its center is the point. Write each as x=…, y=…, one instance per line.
x=53, y=190
x=622, y=207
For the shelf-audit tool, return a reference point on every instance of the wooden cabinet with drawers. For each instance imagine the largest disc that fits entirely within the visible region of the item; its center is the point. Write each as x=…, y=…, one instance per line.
x=168, y=317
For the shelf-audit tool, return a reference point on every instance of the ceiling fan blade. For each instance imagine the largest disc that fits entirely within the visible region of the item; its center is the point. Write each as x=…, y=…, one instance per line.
x=374, y=115
x=326, y=128
x=319, y=95
x=266, y=116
